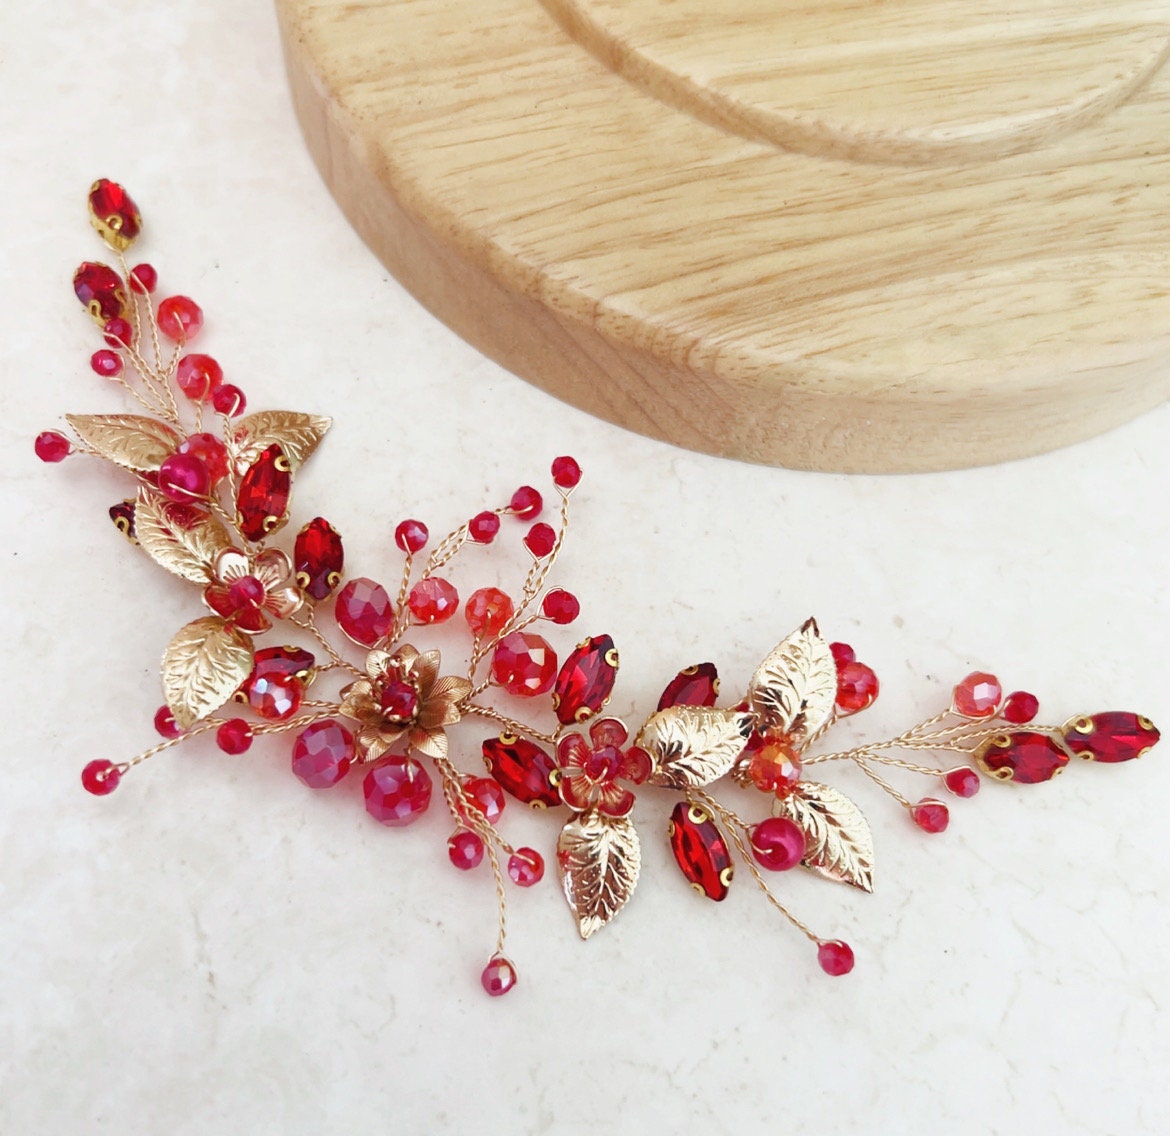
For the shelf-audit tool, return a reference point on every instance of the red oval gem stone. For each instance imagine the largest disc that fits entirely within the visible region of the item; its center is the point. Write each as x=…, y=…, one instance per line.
x=700, y=850
x=364, y=611
x=523, y=768
x=397, y=792
x=524, y=664
x=586, y=680
x=100, y=290
x=113, y=213
x=262, y=502
x=1116, y=735
x=1025, y=756
x=318, y=557
x=695, y=686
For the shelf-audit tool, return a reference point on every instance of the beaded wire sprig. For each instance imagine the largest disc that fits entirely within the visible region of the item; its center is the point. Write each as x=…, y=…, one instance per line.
x=209, y=502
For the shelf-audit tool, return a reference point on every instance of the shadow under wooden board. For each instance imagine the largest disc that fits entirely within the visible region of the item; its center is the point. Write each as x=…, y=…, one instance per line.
x=829, y=234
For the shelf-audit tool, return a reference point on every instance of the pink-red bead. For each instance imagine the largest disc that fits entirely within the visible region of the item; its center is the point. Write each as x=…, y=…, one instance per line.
x=52, y=447
x=322, y=754
x=963, y=781
x=524, y=664
x=857, y=687
x=566, y=473
x=835, y=957
x=488, y=612
x=100, y=777
x=165, y=724
x=229, y=400
x=399, y=701
x=465, y=850
x=397, y=791
x=210, y=451
x=526, y=503
x=433, y=600
x=486, y=795
x=842, y=653
x=411, y=536
x=143, y=278
x=540, y=540
x=179, y=318
x=499, y=976
x=234, y=736
x=184, y=478
x=275, y=696
x=364, y=611
x=977, y=696
x=930, y=815
x=106, y=363
x=561, y=606
x=482, y=528
x=778, y=844
x=198, y=376
x=525, y=867
x=118, y=332
x=1020, y=707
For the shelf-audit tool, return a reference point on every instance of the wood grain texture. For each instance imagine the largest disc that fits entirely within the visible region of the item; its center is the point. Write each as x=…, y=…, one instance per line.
x=854, y=236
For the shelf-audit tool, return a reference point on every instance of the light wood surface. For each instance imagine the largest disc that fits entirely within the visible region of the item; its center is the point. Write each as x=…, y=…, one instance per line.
x=899, y=235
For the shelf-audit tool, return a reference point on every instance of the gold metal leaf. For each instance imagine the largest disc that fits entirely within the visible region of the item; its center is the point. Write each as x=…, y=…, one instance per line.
x=203, y=666
x=795, y=687
x=182, y=539
x=298, y=435
x=693, y=745
x=839, y=842
x=132, y=441
x=599, y=857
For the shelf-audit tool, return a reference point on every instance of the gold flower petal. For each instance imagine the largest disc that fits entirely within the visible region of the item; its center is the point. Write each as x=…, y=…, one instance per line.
x=451, y=688
x=432, y=743
x=231, y=564
x=426, y=671
x=377, y=662
x=357, y=700
x=370, y=744
x=284, y=601
x=271, y=568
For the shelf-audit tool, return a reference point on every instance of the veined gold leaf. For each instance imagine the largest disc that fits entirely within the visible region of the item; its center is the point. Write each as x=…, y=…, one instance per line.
x=132, y=441
x=599, y=857
x=693, y=745
x=795, y=687
x=181, y=538
x=839, y=842
x=298, y=435
x=203, y=666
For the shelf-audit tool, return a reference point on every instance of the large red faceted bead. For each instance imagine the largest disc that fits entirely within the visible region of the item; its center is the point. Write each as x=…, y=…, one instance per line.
x=857, y=687
x=364, y=611
x=586, y=680
x=486, y=796
x=694, y=686
x=774, y=766
x=523, y=768
x=526, y=867
x=198, y=376
x=977, y=696
x=277, y=683
x=322, y=754
x=700, y=850
x=1024, y=756
x=100, y=290
x=524, y=664
x=113, y=213
x=433, y=600
x=318, y=557
x=397, y=791
x=179, y=318
x=488, y=612
x=1116, y=735
x=262, y=502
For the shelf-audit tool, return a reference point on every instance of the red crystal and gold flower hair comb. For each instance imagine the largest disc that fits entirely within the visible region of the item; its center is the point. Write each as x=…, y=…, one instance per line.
x=351, y=680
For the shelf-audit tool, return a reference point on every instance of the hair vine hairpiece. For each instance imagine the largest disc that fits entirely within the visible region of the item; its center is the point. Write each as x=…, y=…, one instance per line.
x=208, y=503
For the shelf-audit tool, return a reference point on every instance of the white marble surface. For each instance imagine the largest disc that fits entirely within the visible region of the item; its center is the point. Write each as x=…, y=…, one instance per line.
x=214, y=949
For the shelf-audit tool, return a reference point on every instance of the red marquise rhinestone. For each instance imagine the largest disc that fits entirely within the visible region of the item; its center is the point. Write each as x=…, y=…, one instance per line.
x=526, y=503
x=1020, y=707
x=411, y=536
x=143, y=278
x=52, y=447
x=700, y=850
x=198, y=376
x=499, y=976
x=106, y=363
x=179, y=318
x=364, y=611
x=585, y=682
x=540, y=540
x=523, y=769
x=1114, y=736
x=778, y=843
x=835, y=957
x=962, y=781
x=465, y=850
x=228, y=400
x=482, y=528
x=433, y=600
x=977, y=696
x=774, y=766
x=322, y=754
x=486, y=796
x=100, y=777
x=114, y=214
x=560, y=606
x=1025, y=756
x=118, y=332
x=165, y=724
x=122, y=514
x=397, y=791
x=234, y=736
x=694, y=686
x=566, y=473
x=210, y=451
x=291, y=662
x=524, y=664
x=262, y=500
x=526, y=867
x=318, y=558
x=488, y=612
x=100, y=290
x=930, y=815
x=857, y=687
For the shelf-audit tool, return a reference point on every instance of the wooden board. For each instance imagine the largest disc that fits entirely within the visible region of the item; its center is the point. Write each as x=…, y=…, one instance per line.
x=829, y=234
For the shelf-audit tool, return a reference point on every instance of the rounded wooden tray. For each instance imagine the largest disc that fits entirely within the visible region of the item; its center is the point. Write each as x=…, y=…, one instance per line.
x=907, y=235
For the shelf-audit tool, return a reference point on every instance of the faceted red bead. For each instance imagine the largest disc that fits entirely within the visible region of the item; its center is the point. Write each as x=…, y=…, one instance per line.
x=293, y=662
x=482, y=528
x=165, y=724
x=540, y=540
x=526, y=867
x=488, y=612
x=694, y=686
x=322, y=754
x=433, y=600
x=114, y=214
x=499, y=976
x=100, y=290
x=930, y=815
x=560, y=606
x=143, y=278
x=526, y=503
x=566, y=473
x=774, y=766
x=397, y=791
x=100, y=777
x=274, y=696
x=198, y=376
x=179, y=318
x=524, y=664
x=1020, y=707
x=228, y=400
x=210, y=451
x=842, y=653
x=963, y=781
x=184, y=478
x=262, y=500
x=523, y=769
x=52, y=447
x=234, y=736
x=700, y=850
x=106, y=363
x=122, y=514
x=486, y=796
x=778, y=843
x=465, y=850
x=857, y=687
x=1025, y=756
x=835, y=957
x=1116, y=735
x=364, y=611
x=977, y=696
x=411, y=536
x=318, y=557
x=118, y=332
x=586, y=680
x=399, y=701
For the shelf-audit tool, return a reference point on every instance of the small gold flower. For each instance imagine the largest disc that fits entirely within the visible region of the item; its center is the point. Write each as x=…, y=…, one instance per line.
x=248, y=589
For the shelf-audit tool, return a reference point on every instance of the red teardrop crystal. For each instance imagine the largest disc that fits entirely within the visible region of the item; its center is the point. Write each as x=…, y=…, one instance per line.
x=113, y=213
x=523, y=768
x=695, y=686
x=318, y=557
x=1025, y=756
x=586, y=680
x=700, y=850
x=1116, y=735
x=101, y=291
x=262, y=502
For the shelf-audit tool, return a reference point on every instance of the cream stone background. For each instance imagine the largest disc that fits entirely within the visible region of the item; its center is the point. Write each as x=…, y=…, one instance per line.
x=215, y=949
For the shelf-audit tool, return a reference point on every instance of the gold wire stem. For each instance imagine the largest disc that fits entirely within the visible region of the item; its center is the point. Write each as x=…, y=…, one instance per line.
x=156, y=378
x=296, y=723
x=512, y=726
x=193, y=732
x=309, y=624
x=446, y=549
x=882, y=783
